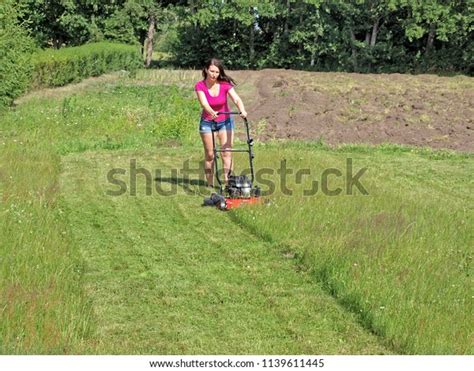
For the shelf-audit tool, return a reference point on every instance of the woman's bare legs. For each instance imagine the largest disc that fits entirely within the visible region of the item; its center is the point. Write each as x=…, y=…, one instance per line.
x=208, y=158
x=226, y=140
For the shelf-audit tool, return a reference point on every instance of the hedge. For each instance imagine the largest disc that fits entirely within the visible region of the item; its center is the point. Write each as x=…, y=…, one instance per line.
x=57, y=67
x=21, y=69
x=16, y=48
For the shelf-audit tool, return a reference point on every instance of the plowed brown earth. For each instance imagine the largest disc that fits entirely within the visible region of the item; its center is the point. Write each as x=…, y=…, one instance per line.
x=419, y=110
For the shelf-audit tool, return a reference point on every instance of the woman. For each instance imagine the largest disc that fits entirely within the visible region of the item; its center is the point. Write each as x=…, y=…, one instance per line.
x=212, y=93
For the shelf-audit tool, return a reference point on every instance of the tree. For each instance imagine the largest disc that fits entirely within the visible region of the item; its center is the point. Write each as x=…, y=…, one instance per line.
x=354, y=35
x=435, y=19
x=157, y=14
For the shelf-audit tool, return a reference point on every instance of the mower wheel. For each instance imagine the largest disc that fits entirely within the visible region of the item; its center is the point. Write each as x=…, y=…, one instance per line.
x=256, y=192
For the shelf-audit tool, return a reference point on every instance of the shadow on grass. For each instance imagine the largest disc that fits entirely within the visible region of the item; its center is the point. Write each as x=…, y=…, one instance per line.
x=185, y=183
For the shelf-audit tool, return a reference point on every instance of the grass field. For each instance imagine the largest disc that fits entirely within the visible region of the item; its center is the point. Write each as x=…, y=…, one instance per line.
x=84, y=272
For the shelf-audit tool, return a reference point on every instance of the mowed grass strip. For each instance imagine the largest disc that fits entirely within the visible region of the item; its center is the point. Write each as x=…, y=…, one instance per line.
x=167, y=276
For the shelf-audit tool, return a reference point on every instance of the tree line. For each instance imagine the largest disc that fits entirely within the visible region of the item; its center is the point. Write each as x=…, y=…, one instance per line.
x=324, y=35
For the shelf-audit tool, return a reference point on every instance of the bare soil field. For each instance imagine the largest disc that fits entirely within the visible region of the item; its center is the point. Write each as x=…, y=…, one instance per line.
x=418, y=110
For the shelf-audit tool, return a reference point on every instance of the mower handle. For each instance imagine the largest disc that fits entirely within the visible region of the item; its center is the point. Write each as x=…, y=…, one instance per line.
x=229, y=113
x=249, y=150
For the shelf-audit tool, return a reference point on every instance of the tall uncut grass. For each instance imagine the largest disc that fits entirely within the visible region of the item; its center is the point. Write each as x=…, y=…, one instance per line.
x=44, y=309
x=399, y=257
x=115, y=116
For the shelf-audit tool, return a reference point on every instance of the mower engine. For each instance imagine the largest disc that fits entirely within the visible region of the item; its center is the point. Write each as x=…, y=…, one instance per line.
x=240, y=186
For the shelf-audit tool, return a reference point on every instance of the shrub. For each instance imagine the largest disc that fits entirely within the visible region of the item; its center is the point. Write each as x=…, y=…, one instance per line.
x=15, y=55
x=59, y=67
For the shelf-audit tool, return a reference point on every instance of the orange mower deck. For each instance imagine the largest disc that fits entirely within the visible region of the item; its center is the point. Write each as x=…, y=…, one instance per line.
x=232, y=203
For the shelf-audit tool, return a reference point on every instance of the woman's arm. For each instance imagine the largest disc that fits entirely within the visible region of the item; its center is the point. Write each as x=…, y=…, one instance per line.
x=205, y=105
x=238, y=102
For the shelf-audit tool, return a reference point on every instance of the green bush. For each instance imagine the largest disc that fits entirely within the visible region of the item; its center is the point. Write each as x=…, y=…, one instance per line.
x=59, y=67
x=15, y=55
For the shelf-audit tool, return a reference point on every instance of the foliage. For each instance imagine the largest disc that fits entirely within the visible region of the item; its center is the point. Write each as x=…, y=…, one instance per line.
x=57, y=22
x=60, y=23
x=15, y=54
x=59, y=67
x=127, y=24
x=357, y=35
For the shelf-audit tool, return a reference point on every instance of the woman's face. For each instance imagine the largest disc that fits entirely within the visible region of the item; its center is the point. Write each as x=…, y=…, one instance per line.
x=212, y=72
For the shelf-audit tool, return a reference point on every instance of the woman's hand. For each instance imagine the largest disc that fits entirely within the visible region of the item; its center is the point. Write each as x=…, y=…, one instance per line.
x=213, y=114
x=243, y=114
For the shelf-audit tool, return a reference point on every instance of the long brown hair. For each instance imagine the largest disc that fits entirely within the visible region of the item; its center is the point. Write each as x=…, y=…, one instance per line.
x=222, y=75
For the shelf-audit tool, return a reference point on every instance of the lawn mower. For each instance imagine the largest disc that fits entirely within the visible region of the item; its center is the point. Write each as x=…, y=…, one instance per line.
x=239, y=189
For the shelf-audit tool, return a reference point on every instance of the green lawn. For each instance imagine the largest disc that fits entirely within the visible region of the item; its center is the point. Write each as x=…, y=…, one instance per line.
x=86, y=272
x=168, y=276
x=400, y=257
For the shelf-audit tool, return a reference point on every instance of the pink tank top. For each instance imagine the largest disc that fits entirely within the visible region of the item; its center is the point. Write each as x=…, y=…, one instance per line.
x=218, y=103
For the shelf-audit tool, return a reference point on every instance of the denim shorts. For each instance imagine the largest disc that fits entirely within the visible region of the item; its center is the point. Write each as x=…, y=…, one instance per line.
x=206, y=126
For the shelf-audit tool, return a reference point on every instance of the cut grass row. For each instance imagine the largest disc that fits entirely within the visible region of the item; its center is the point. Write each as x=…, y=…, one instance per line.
x=398, y=260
